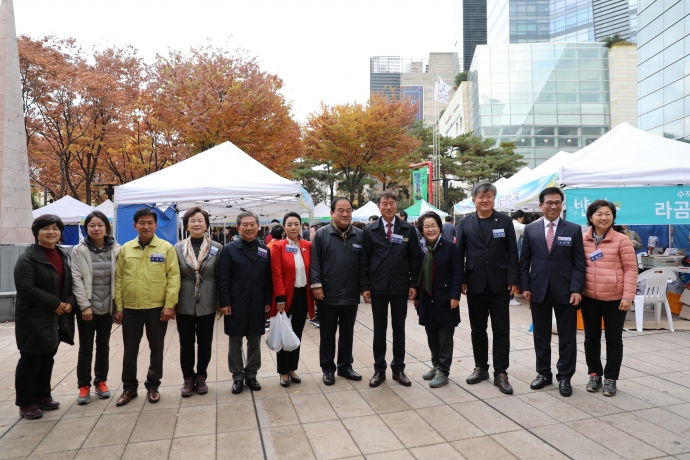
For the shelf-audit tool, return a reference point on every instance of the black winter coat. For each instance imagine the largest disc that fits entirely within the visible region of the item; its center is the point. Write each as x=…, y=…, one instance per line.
x=390, y=268
x=246, y=285
x=494, y=261
x=434, y=310
x=37, y=328
x=335, y=265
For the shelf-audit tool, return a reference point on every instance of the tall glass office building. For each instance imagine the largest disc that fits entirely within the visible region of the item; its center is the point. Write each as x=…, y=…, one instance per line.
x=537, y=21
x=545, y=97
x=664, y=67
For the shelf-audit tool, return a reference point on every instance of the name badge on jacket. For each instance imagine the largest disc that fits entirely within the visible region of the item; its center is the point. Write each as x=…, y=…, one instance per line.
x=499, y=233
x=263, y=253
x=213, y=250
x=157, y=257
x=596, y=255
x=565, y=241
x=356, y=247
x=292, y=248
x=397, y=239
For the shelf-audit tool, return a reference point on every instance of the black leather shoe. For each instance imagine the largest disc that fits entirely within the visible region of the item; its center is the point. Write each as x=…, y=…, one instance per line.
x=477, y=376
x=328, y=378
x=295, y=379
x=540, y=382
x=377, y=379
x=284, y=383
x=253, y=384
x=565, y=389
x=237, y=387
x=402, y=379
x=349, y=374
x=47, y=403
x=501, y=381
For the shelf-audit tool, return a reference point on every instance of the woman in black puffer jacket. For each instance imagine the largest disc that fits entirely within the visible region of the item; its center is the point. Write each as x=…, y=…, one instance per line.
x=44, y=315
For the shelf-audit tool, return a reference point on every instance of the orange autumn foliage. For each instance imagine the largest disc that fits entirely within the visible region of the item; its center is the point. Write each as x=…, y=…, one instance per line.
x=361, y=140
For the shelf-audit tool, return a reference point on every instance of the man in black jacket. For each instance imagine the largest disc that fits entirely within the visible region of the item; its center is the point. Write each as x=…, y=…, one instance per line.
x=334, y=278
x=486, y=240
x=245, y=289
x=390, y=271
x=552, y=276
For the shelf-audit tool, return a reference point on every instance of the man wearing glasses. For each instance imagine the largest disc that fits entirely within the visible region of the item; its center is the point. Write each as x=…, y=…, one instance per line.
x=552, y=277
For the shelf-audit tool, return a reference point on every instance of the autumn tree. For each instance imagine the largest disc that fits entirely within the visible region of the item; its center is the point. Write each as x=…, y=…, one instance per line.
x=211, y=96
x=361, y=140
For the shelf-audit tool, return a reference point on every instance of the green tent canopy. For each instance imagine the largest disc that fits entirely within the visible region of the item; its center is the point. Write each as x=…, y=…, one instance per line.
x=421, y=207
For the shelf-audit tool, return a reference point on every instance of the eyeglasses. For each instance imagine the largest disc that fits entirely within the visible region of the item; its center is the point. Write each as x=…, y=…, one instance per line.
x=552, y=204
x=430, y=227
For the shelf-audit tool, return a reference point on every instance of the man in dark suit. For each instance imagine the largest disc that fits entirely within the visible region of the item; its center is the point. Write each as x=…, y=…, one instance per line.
x=486, y=240
x=389, y=273
x=245, y=289
x=552, y=276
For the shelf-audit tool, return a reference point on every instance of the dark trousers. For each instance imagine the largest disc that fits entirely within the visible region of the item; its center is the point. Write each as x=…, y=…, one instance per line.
x=566, y=321
x=289, y=360
x=133, y=324
x=441, y=346
x=614, y=320
x=379, y=310
x=240, y=368
x=99, y=328
x=341, y=319
x=480, y=307
x=195, y=329
x=32, y=377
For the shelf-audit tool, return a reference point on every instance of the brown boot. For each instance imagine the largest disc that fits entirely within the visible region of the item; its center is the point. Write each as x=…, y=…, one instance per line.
x=200, y=385
x=187, y=389
x=501, y=381
x=47, y=403
x=30, y=412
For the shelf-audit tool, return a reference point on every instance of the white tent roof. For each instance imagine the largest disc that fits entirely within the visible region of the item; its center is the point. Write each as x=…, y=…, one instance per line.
x=107, y=208
x=222, y=180
x=629, y=156
x=322, y=210
x=364, y=212
x=68, y=209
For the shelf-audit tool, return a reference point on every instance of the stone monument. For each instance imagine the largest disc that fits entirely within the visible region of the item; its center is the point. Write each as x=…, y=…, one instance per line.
x=15, y=193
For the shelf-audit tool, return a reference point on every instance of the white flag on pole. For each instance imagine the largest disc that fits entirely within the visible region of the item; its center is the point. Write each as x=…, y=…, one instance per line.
x=443, y=88
x=438, y=95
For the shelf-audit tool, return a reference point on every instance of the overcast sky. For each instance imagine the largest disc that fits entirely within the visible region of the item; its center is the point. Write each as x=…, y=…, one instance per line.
x=320, y=48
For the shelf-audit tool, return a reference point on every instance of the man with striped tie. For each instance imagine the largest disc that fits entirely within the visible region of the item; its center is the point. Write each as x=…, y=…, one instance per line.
x=552, y=277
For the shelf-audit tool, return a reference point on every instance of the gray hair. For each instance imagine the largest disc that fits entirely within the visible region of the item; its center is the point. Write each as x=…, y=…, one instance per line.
x=482, y=188
x=244, y=214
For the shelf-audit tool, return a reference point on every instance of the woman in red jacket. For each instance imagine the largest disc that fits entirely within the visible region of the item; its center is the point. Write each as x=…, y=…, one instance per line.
x=610, y=283
x=290, y=262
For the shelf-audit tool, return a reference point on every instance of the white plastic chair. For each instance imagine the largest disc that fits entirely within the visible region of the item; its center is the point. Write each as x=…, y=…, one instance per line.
x=655, y=293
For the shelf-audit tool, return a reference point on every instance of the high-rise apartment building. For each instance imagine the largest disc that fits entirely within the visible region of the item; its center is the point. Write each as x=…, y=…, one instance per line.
x=538, y=21
x=396, y=77
x=664, y=67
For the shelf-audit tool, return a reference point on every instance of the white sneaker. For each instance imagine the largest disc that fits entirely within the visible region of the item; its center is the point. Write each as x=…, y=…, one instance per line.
x=514, y=303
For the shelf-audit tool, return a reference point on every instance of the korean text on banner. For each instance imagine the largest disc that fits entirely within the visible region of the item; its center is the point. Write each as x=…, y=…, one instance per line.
x=634, y=205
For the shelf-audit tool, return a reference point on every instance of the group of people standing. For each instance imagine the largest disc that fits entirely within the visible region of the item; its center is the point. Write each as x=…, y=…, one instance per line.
x=147, y=282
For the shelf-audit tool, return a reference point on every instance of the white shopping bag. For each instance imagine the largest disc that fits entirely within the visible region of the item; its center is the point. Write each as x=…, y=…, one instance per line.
x=289, y=339
x=274, y=338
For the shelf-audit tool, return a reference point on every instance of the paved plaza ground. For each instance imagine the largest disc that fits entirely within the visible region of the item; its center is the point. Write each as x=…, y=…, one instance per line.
x=649, y=418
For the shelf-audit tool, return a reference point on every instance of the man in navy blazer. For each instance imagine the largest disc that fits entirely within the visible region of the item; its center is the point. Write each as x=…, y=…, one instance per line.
x=552, y=276
x=487, y=244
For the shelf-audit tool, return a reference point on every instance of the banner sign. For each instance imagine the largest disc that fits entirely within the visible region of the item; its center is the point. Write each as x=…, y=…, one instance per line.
x=634, y=205
x=420, y=184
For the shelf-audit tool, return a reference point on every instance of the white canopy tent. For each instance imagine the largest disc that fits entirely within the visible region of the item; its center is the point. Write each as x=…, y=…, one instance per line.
x=223, y=181
x=107, y=208
x=627, y=156
x=322, y=210
x=364, y=212
x=69, y=210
